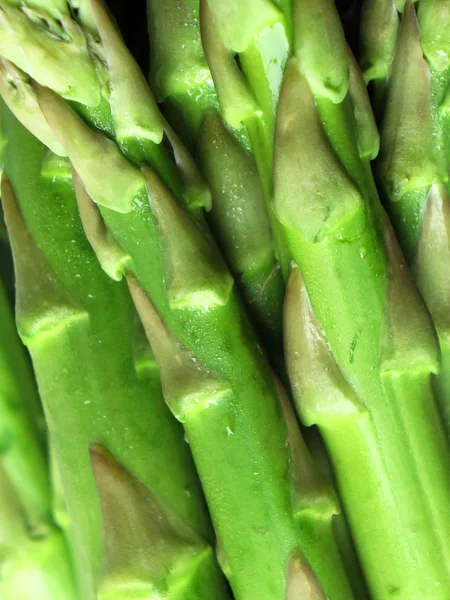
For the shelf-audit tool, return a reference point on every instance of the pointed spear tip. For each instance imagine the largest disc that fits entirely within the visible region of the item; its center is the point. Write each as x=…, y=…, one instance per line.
x=295, y=274
x=302, y=581
x=294, y=287
x=47, y=98
x=102, y=463
x=95, y=5
x=148, y=315
x=146, y=548
x=19, y=95
x=155, y=187
x=42, y=302
x=147, y=171
x=409, y=339
x=111, y=256
x=144, y=307
x=12, y=214
x=5, y=184
x=409, y=17
x=102, y=19
x=97, y=451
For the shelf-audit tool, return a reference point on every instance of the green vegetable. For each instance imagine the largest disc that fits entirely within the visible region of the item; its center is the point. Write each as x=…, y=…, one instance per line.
x=34, y=559
x=139, y=521
x=271, y=511
x=359, y=344
x=238, y=216
x=412, y=168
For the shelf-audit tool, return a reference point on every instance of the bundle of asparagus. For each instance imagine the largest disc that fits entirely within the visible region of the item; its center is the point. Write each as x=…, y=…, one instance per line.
x=196, y=266
x=407, y=60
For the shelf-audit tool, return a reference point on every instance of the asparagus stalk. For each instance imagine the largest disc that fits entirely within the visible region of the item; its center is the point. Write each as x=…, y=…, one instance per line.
x=34, y=559
x=272, y=513
x=359, y=343
x=412, y=168
x=238, y=217
x=139, y=520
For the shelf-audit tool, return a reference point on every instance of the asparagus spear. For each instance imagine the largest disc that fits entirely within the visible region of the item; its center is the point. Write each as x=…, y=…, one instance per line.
x=272, y=513
x=238, y=217
x=140, y=525
x=359, y=343
x=412, y=168
x=34, y=559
